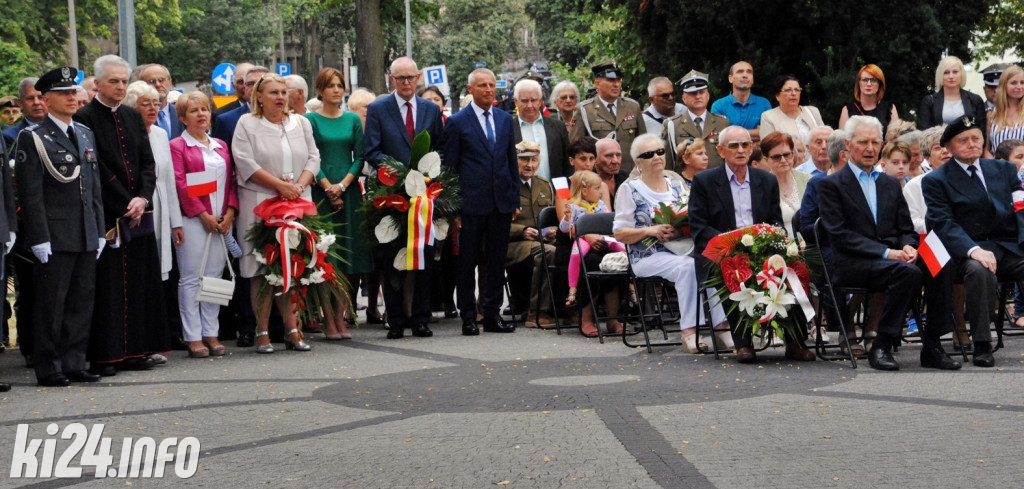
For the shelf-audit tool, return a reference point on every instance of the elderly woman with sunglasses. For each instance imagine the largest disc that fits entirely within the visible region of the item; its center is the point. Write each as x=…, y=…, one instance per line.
x=635, y=203
x=777, y=150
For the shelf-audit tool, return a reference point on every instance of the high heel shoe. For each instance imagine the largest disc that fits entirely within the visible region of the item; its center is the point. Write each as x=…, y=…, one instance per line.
x=216, y=349
x=299, y=345
x=723, y=339
x=690, y=344
x=197, y=350
x=268, y=348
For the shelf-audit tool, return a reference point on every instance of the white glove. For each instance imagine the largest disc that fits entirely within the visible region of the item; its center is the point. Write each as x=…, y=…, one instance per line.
x=10, y=244
x=42, y=252
x=103, y=242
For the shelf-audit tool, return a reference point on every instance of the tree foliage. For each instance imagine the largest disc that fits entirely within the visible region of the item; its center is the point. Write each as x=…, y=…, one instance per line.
x=557, y=25
x=1003, y=29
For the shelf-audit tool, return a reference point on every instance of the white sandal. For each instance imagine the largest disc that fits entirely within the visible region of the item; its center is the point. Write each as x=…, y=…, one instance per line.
x=690, y=344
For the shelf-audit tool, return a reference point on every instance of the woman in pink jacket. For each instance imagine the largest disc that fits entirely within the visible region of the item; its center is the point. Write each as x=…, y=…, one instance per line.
x=206, y=159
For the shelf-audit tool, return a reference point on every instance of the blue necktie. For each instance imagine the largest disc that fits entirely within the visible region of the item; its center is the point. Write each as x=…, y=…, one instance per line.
x=163, y=122
x=487, y=123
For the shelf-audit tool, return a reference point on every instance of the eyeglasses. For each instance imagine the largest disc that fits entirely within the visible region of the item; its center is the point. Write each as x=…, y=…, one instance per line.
x=870, y=81
x=792, y=90
x=650, y=154
x=568, y=97
x=405, y=79
x=250, y=83
x=145, y=104
x=154, y=81
x=738, y=144
x=781, y=156
x=666, y=96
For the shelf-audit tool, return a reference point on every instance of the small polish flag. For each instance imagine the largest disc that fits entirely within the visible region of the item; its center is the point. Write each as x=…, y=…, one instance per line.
x=934, y=253
x=201, y=183
x=362, y=185
x=562, y=188
x=1018, y=200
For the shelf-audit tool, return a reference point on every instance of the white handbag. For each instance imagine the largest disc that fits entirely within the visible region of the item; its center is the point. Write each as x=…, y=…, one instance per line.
x=215, y=290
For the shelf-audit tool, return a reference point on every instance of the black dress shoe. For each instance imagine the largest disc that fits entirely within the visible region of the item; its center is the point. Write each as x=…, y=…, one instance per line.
x=496, y=325
x=374, y=319
x=104, y=370
x=144, y=363
x=937, y=358
x=29, y=363
x=394, y=332
x=82, y=376
x=245, y=340
x=451, y=313
x=5, y=387
x=880, y=359
x=469, y=328
x=54, y=380
x=983, y=354
x=745, y=354
x=422, y=331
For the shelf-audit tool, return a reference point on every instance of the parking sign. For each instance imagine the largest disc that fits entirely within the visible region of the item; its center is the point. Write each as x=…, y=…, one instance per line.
x=284, y=69
x=437, y=75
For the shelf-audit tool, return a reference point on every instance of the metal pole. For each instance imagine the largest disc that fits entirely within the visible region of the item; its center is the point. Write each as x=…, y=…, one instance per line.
x=408, y=30
x=72, y=34
x=126, y=36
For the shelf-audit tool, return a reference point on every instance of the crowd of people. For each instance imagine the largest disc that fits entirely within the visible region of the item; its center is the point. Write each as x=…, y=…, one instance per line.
x=111, y=230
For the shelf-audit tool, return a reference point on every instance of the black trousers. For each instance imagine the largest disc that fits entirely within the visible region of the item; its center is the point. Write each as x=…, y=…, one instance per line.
x=938, y=298
x=982, y=287
x=483, y=240
x=24, y=270
x=900, y=281
x=392, y=284
x=62, y=323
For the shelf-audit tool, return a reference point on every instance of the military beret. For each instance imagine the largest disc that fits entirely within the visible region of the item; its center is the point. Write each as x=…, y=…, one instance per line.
x=958, y=126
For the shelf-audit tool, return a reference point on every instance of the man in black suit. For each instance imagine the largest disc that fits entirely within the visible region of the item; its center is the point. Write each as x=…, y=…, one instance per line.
x=239, y=83
x=971, y=207
x=480, y=148
x=871, y=234
x=62, y=217
x=392, y=123
x=530, y=125
x=733, y=196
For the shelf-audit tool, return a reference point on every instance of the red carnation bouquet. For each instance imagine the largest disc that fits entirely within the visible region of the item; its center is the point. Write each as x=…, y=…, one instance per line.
x=764, y=273
x=292, y=245
x=676, y=215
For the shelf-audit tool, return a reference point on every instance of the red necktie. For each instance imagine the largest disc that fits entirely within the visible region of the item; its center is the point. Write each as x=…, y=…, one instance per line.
x=409, y=126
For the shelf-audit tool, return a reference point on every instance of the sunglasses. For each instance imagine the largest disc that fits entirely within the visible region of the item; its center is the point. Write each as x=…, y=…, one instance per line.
x=650, y=154
x=738, y=144
x=781, y=156
x=666, y=96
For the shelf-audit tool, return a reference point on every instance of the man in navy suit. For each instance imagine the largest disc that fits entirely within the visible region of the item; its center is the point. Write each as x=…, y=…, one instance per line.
x=733, y=196
x=971, y=205
x=224, y=125
x=392, y=122
x=871, y=235
x=480, y=147
x=159, y=77
x=33, y=110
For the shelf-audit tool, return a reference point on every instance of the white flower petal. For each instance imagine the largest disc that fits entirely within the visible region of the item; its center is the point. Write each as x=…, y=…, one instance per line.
x=440, y=229
x=747, y=240
x=400, y=259
x=386, y=230
x=430, y=165
x=415, y=184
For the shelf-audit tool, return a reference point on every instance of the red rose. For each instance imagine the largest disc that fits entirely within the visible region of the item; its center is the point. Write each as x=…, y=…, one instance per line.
x=735, y=271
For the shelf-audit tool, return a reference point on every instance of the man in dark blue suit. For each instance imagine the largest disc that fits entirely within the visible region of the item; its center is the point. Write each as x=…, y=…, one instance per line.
x=733, y=196
x=224, y=125
x=33, y=110
x=392, y=123
x=159, y=77
x=480, y=147
x=971, y=207
x=872, y=237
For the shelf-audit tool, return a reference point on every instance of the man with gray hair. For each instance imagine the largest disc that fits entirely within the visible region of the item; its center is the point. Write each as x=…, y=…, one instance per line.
x=241, y=69
x=662, y=96
x=159, y=77
x=531, y=125
x=33, y=110
x=297, y=90
x=818, y=162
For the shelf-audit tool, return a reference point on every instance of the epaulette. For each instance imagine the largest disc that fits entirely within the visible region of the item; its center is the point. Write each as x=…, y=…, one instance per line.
x=586, y=102
x=627, y=99
x=33, y=127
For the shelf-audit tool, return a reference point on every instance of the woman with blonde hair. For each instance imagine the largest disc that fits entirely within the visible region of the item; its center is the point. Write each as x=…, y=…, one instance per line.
x=693, y=157
x=275, y=156
x=951, y=101
x=1007, y=121
x=358, y=100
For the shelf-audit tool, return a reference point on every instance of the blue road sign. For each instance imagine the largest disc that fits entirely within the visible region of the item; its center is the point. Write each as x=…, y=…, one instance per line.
x=501, y=84
x=223, y=76
x=284, y=69
x=480, y=64
x=80, y=77
x=436, y=75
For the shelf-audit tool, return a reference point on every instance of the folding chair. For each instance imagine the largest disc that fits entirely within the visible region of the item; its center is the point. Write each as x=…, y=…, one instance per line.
x=549, y=218
x=646, y=288
x=1005, y=299
x=600, y=223
x=830, y=293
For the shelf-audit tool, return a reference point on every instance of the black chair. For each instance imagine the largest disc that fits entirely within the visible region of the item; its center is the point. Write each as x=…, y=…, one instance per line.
x=598, y=223
x=830, y=294
x=549, y=218
x=1005, y=299
x=651, y=309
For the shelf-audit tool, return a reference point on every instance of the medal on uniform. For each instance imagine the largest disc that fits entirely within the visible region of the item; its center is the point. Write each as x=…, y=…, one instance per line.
x=68, y=158
x=63, y=169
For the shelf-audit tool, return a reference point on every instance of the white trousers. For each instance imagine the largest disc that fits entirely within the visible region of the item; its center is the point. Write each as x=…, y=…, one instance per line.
x=198, y=319
x=681, y=271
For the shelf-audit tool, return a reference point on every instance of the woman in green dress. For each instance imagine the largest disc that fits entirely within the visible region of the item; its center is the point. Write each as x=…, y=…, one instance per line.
x=339, y=137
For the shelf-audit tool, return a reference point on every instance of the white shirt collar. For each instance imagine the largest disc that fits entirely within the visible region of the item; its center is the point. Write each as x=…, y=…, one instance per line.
x=401, y=101
x=966, y=165
x=604, y=103
x=191, y=141
x=703, y=116
x=61, y=124
x=112, y=109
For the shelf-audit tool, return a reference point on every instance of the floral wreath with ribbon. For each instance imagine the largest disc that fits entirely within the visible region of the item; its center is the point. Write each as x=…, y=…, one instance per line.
x=409, y=208
x=292, y=244
x=765, y=299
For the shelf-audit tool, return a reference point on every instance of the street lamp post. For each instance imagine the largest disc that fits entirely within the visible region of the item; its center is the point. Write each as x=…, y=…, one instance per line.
x=126, y=30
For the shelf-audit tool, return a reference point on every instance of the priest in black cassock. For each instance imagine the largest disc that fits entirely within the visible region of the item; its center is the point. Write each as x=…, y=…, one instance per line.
x=128, y=324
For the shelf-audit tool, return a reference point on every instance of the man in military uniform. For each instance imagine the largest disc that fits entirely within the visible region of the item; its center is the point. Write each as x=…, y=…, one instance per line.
x=697, y=122
x=62, y=217
x=523, y=259
x=607, y=115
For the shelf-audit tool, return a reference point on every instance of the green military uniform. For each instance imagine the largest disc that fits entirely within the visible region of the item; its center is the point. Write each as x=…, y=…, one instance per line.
x=682, y=128
x=592, y=117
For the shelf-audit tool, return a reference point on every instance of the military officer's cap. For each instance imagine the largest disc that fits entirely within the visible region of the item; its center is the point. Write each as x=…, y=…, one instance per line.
x=958, y=126
x=526, y=149
x=607, y=69
x=8, y=101
x=992, y=77
x=694, y=81
x=60, y=78
x=532, y=75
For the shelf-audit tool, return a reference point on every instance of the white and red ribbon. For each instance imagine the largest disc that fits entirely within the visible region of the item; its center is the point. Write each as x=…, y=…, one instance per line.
x=286, y=255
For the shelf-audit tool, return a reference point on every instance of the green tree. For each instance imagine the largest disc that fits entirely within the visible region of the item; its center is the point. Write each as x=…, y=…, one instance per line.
x=1003, y=29
x=553, y=20
x=18, y=63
